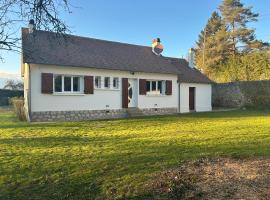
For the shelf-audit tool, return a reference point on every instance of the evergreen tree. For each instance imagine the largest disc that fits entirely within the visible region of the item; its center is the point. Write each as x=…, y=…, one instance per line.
x=236, y=17
x=211, y=45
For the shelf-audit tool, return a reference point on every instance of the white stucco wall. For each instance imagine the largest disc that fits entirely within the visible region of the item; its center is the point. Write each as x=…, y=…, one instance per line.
x=101, y=99
x=203, y=96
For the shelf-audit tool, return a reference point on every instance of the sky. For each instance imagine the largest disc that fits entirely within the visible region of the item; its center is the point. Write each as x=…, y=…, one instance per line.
x=177, y=22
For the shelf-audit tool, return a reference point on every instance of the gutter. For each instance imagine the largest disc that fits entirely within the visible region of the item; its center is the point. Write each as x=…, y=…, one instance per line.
x=28, y=91
x=29, y=100
x=179, y=102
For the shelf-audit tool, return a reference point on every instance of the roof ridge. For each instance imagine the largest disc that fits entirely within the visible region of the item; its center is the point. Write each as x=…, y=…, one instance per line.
x=98, y=39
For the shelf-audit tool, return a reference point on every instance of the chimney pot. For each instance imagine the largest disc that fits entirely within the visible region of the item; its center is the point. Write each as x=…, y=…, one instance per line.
x=157, y=48
x=191, y=58
x=31, y=26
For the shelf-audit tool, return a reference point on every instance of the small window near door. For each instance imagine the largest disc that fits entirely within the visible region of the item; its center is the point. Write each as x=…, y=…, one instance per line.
x=154, y=87
x=76, y=84
x=115, y=83
x=107, y=82
x=148, y=86
x=98, y=82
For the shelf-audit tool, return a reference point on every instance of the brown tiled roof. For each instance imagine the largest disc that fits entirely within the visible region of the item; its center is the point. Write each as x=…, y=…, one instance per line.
x=43, y=47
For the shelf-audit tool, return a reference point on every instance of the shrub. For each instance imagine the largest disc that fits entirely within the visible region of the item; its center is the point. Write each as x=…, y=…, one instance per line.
x=18, y=105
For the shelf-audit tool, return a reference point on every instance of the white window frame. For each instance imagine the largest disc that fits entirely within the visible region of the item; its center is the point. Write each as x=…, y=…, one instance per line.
x=100, y=82
x=117, y=82
x=109, y=86
x=156, y=92
x=81, y=84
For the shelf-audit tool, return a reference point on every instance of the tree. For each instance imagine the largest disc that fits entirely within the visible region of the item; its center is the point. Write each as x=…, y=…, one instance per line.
x=45, y=13
x=13, y=85
x=245, y=67
x=212, y=45
x=236, y=17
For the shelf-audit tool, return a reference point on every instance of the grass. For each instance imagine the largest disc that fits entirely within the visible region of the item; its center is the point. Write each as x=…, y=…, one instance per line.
x=116, y=158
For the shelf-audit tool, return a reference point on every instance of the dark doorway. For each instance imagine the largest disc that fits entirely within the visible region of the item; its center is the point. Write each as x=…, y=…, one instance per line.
x=192, y=98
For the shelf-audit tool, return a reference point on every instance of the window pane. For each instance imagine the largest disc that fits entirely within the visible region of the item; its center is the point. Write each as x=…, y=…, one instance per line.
x=107, y=82
x=154, y=85
x=98, y=82
x=76, y=84
x=160, y=87
x=58, y=83
x=115, y=83
x=67, y=84
x=148, y=84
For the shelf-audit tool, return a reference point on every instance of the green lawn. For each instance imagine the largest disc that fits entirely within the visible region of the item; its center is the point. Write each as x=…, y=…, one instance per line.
x=91, y=160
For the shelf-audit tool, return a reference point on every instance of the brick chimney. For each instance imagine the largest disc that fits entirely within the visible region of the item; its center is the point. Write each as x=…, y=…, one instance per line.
x=31, y=26
x=157, y=48
x=191, y=58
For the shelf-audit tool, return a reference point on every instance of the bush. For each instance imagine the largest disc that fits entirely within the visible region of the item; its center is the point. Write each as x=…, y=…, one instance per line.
x=18, y=105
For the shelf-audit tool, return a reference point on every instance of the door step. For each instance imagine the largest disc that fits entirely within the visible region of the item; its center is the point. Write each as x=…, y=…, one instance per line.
x=134, y=112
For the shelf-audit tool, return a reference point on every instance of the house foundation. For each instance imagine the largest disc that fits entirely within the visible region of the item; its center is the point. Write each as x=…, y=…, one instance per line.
x=52, y=116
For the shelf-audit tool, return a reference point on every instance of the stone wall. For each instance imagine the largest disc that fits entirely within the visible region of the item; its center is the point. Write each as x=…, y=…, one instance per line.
x=51, y=116
x=240, y=94
x=159, y=111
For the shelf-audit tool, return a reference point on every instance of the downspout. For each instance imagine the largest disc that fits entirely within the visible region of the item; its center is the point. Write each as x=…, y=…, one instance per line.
x=179, y=103
x=29, y=94
x=29, y=102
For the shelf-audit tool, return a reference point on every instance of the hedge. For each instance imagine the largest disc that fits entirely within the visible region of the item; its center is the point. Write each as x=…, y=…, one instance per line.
x=5, y=95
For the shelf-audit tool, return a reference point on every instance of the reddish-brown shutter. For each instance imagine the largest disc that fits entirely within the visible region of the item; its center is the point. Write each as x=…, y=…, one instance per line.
x=88, y=85
x=124, y=92
x=46, y=83
x=142, y=86
x=168, y=87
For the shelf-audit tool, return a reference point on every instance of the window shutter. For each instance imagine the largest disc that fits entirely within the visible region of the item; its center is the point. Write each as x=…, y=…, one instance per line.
x=142, y=86
x=124, y=93
x=88, y=85
x=168, y=87
x=46, y=83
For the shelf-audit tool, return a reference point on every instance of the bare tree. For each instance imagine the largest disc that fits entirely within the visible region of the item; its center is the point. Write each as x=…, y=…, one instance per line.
x=45, y=13
x=13, y=85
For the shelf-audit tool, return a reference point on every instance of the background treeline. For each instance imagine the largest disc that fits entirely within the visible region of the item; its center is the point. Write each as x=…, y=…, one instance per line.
x=228, y=50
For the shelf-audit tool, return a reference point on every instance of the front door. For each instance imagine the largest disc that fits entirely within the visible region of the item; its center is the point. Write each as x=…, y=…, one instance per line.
x=132, y=93
x=192, y=98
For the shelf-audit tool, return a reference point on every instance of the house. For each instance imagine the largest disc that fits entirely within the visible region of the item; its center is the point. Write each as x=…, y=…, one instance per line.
x=78, y=78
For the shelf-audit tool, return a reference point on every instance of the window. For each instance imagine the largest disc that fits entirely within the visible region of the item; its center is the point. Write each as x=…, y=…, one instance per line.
x=115, y=83
x=58, y=83
x=76, y=84
x=67, y=83
x=98, y=81
x=155, y=87
x=148, y=86
x=107, y=82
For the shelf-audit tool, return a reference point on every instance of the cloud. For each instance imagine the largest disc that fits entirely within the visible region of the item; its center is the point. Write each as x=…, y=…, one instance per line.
x=5, y=75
